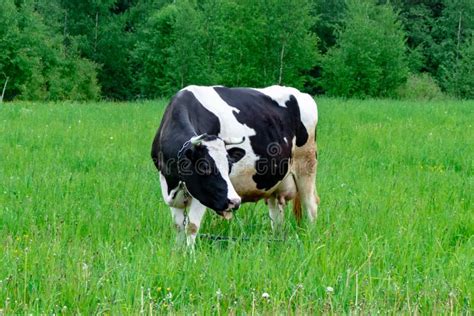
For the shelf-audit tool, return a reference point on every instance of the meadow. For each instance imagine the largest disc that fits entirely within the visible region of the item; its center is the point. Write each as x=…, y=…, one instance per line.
x=83, y=228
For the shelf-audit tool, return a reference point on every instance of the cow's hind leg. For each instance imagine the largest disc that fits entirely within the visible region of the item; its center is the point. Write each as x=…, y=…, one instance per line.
x=305, y=179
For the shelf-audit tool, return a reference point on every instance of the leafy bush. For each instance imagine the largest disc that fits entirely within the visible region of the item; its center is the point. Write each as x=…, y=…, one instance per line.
x=36, y=62
x=458, y=76
x=369, y=58
x=234, y=43
x=420, y=87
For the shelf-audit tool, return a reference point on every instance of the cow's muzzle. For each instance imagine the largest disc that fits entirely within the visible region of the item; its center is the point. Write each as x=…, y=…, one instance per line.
x=233, y=205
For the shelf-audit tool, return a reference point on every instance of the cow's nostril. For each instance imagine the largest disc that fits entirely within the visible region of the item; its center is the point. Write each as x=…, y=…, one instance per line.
x=234, y=204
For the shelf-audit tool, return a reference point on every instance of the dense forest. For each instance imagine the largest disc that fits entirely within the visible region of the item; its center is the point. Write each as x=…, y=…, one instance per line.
x=134, y=49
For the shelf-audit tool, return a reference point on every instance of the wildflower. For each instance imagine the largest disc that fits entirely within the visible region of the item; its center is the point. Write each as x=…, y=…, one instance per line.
x=329, y=289
x=266, y=296
x=168, y=289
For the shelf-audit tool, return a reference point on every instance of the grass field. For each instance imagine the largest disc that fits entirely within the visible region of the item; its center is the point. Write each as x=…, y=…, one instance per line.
x=83, y=227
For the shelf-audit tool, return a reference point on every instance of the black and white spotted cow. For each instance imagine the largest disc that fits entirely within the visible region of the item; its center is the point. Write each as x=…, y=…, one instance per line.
x=217, y=147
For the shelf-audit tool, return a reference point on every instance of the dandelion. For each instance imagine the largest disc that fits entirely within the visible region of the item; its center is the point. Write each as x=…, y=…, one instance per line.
x=158, y=289
x=168, y=289
x=266, y=296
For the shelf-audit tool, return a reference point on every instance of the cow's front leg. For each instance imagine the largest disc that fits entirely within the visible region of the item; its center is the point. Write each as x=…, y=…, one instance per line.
x=195, y=214
x=277, y=213
x=178, y=219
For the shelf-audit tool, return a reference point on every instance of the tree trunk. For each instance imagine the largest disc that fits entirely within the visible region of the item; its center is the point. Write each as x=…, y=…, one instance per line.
x=282, y=54
x=456, y=73
x=96, y=31
x=65, y=24
x=3, y=91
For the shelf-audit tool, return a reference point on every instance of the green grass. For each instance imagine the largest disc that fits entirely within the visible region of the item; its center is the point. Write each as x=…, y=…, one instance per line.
x=83, y=227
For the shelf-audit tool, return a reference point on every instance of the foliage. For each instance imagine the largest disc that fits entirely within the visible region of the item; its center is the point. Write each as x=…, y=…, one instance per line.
x=84, y=229
x=459, y=80
x=36, y=62
x=152, y=48
x=171, y=51
x=369, y=58
x=453, y=50
x=331, y=15
x=266, y=43
x=420, y=87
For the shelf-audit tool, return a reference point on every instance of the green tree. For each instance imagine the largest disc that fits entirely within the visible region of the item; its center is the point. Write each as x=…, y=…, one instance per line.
x=34, y=58
x=458, y=77
x=258, y=43
x=454, y=31
x=9, y=34
x=330, y=16
x=235, y=43
x=369, y=57
x=104, y=32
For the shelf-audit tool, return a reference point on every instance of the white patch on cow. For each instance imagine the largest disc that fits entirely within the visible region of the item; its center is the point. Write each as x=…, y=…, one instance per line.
x=164, y=190
x=308, y=111
x=176, y=196
x=230, y=128
x=211, y=100
x=279, y=94
x=218, y=153
x=195, y=215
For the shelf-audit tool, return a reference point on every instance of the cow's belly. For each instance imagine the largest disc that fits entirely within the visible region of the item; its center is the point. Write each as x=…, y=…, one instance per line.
x=246, y=188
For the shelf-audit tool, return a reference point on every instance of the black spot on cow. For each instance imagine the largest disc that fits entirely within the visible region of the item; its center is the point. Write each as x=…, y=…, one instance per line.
x=275, y=128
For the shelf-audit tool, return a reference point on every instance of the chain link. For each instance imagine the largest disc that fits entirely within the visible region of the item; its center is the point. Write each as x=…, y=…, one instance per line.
x=186, y=201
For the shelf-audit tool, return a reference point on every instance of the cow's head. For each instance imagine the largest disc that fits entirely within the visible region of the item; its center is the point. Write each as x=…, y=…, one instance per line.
x=204, y=163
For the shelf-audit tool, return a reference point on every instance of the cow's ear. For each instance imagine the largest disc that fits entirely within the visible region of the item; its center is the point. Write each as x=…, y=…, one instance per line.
x=235, y=154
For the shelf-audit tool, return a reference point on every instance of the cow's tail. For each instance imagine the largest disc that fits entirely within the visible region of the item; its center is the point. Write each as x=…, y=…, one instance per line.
x=297, y=208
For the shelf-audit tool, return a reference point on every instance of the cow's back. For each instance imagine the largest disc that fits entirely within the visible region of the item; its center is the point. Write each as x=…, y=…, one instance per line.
x=274, y=120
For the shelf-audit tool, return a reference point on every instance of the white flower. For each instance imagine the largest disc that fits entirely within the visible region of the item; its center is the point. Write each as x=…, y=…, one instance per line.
x=329, y=289
x=265, y=295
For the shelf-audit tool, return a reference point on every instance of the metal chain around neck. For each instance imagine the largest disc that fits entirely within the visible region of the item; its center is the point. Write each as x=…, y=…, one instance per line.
x=186, y=197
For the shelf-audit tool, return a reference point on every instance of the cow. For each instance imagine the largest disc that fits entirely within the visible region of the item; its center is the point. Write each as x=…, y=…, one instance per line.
x=218, y=147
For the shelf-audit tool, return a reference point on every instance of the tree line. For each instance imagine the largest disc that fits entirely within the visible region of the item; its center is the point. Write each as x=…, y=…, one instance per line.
x=132, y=49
